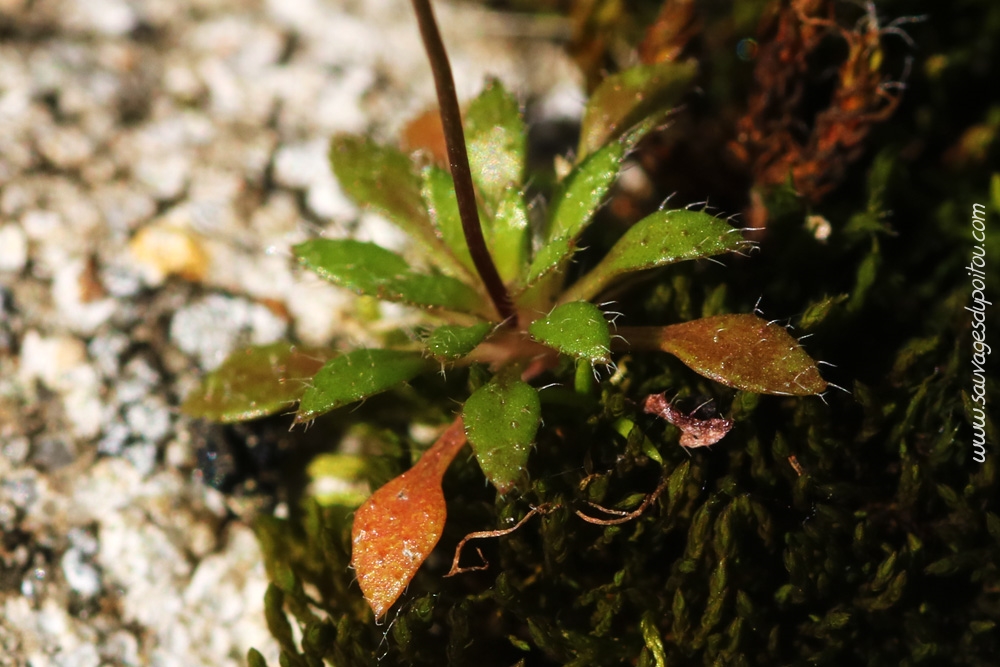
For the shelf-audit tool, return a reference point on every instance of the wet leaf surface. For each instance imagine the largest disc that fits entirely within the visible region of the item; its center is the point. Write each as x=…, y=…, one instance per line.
x=255, y=382
x=399, y=525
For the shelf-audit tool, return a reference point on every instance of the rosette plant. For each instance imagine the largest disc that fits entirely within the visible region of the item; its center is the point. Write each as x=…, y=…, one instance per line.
x=495, y=291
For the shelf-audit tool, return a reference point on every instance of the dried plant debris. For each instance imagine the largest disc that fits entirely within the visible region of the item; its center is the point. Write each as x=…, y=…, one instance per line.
x=770, y=137
x=695, y=432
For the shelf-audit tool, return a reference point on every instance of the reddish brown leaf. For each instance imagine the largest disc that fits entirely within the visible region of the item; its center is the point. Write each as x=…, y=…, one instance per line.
x=741, y=351
x=399, y=525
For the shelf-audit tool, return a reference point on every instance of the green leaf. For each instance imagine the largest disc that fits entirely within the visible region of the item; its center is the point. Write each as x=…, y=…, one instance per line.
x=741, y=351
x=399, y=525
x=659, y=239
x=255, y=382
x=439, y=194
x=509, y=236
x=386, y=180
x=255, y=659
x=583, y=191
x=627, y=98
x=496, y=141
x=501, y=419
x=573, y=209
x=452, y=341
x=357, y=375
x=652, y=639
x=578, y=329
x=370, y=269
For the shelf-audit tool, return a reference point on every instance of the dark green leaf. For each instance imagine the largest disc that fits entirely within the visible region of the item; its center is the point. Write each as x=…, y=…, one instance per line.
x=629, y=97
x=255, y=659
x=452, y=341
x=370, y=269
x=357, y=375
x=255, y=382
x=662, y=238
x=496, y=141
x=741, y=351
x=501, y=419
x=578, y=329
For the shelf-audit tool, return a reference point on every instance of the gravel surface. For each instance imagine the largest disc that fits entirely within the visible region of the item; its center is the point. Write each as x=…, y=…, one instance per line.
x=157, y=160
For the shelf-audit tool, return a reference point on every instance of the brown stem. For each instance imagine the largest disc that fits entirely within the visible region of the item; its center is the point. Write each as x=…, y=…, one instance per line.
x=458, y=159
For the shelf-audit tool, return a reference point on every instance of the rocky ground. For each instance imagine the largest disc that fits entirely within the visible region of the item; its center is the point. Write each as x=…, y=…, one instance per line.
x=157, y=160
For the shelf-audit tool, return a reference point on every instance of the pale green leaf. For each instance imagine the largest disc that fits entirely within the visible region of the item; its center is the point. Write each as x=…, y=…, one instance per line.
x=357, y=375
x=578, y=329
x=496, y=141
x=439, y=194
x=501, y=419
x=509, y=236
x=452, y=341
x=372, y=270
x=255, y=382
x=628, y=98
x=659, y=239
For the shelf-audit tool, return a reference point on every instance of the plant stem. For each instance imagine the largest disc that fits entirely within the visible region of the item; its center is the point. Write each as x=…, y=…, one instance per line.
x=458, y=159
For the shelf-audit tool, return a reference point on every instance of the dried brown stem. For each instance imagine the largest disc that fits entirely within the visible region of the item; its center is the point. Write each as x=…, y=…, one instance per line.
x=455, y=569
x=624, y=517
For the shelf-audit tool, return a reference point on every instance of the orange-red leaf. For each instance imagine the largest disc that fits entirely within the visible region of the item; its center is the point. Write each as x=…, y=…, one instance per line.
x=399, y=525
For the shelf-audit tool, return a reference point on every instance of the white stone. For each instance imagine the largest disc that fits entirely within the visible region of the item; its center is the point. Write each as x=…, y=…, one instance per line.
x=13, y=248
x=165, y=176
x=327, y=200
x=82, y=402
x=81, y=576
x=149, y=419
x=376, y=229
x=50, y=360
x=78, y=313
x=108, y=17
x=65, y=147
x=209, y=329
